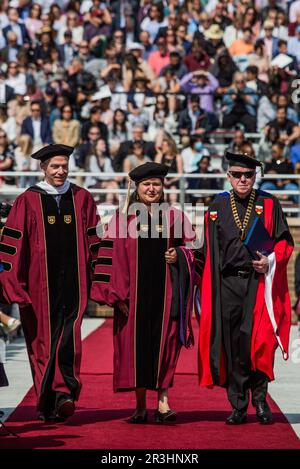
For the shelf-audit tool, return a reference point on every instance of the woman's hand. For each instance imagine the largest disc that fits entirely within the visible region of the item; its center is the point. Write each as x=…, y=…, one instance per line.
x=171, y=256
x=261, y=266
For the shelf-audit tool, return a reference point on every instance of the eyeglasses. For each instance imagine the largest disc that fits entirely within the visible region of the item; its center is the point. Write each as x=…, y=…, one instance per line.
x=35, y=109
x=240, y=174
x=240, y=81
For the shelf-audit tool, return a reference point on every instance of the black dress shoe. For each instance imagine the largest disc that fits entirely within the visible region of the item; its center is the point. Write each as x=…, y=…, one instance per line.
x=237, y=417
x=165, y=417
x=138, y=418
x=65, y=408
x=263, y=412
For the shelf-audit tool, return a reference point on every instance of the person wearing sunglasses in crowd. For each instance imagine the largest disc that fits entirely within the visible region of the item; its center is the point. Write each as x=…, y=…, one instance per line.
x=245, y=305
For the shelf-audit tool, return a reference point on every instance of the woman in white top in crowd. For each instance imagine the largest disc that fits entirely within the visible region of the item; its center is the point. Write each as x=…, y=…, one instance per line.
x=24, y=162
x=98, y=162
x=8, y=124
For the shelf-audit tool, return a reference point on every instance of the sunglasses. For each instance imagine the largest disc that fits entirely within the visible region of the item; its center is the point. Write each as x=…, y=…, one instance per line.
x=239, y=174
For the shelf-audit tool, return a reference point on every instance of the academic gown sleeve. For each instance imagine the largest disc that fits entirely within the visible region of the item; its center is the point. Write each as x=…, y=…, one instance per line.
x=94, y=233
x=14, y=254
x=276, y=284
x=112, y=275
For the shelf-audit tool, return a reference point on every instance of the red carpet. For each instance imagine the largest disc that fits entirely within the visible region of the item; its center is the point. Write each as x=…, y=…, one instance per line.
x=100, y=420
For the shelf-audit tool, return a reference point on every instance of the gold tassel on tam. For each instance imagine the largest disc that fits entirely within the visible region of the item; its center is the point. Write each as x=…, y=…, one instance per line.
x=126, y=204
x=262, y=169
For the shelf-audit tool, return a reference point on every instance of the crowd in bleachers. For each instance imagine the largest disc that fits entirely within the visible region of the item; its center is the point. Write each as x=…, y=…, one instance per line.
x=125, y=82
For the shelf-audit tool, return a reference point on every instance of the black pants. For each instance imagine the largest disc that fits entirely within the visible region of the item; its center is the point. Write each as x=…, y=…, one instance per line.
x=237, y=341
x=249, y=122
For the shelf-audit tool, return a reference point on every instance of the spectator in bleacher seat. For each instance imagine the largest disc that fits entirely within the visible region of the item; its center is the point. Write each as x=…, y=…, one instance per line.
x=33, y=22
x=192, y=154
x=244, y=46
x=279, y=164
x=197, y=59
x=193, y=119
x=67, y=50
x=94, y=120
x=293, y=25
x=72, y=23
x=37, y=126
x=7, y=92
x=214, y=39
x=97, y=161
x=6, y=158
x=269, y=40
x=239, y=105
x=11, y=52
x=148, y=47
x=202, y=83
x=87, y=147
x=66, y=130
x=119, y=131
x=287, y=130
x=136, y=157
x=154, y=21
x=203, y=183
x=268, y=138
x=294, y=45
x=169, y=84
x=137, y=50
x=160, y=58
x=97, y=21
x=252, y=80
x=162, y=117
x=19, y=109
x=17, y=26
x=183, y=43
x=16, y=79
x=8, y=124
x=233, y=31
x=170, y=157
x=223, y=69
x=42, y=51
x=291, y=68
x=24, y=162
x=237, y=142
x=260, y=60
x=176, y=65
x=137, y=99
x=126, y=147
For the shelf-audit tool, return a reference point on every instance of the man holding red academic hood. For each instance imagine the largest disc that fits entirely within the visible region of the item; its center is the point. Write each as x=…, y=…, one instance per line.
x=46, y=252
x=246, y=308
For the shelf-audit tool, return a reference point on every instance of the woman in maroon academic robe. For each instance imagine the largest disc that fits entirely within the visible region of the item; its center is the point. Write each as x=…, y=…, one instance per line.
x=141, y=257
x=46, y=253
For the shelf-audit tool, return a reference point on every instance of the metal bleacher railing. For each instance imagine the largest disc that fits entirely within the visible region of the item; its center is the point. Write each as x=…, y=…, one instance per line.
x=7, y=192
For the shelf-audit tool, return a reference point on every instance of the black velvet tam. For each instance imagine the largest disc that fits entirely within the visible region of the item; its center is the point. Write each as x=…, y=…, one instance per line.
x=52, y=150
x=147, y=171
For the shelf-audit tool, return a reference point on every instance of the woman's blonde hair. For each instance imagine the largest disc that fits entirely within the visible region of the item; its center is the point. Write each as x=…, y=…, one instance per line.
x=26, y=144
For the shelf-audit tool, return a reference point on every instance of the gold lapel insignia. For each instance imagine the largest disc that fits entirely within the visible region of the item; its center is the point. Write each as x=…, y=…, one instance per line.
x=259, y=209
x=213, y=216
x=144, y=228
x=51, y=220
x=67, y=218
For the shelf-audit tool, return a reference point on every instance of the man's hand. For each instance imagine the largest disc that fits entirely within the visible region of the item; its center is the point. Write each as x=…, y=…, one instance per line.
x=261, y=266
x=171, y=256
x=122, y=306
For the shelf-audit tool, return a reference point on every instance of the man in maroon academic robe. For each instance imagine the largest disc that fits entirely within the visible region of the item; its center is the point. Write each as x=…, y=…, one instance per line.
x=245, y=304
x=46, y=253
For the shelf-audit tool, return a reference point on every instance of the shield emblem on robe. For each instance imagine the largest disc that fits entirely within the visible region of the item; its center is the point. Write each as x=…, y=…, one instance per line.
x=51, y=220
x=213, y=216
x=259, y=209
x=67, y=219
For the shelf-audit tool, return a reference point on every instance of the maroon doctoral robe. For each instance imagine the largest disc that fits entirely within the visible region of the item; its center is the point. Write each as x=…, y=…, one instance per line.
x=46, y=253
x=132, y=269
